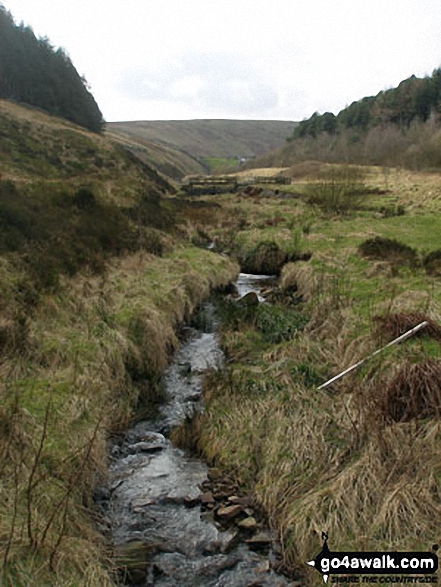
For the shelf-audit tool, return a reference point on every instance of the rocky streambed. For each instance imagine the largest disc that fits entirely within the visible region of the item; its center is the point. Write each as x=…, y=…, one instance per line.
x=173, y=521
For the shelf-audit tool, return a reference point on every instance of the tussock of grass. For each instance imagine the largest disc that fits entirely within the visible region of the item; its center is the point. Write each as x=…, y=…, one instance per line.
x=414, y=392
x=303, y=276
x=393, y=325
x=432, y=263
x=387, y=249
x=265, y=259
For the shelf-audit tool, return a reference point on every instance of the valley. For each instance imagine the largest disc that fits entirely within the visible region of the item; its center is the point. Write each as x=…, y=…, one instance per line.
x=92, y=310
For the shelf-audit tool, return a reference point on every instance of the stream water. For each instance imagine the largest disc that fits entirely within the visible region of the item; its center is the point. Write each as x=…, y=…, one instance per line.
x=155, y=487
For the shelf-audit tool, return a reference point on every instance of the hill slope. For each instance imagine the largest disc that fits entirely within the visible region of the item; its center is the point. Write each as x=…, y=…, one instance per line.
x=400, y=126
x=204, y=139
x=33, y=72
x=168, y=160
x=94, y=278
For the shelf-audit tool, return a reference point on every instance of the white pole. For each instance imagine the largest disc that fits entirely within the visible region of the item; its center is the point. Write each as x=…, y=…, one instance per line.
x=392, y=342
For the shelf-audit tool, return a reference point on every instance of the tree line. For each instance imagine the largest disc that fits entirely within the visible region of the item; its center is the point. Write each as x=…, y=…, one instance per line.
x=32, y=71
x=415, y=99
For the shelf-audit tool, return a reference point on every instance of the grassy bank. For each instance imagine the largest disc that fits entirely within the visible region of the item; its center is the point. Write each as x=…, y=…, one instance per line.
x=359, y=460
x=90, y=354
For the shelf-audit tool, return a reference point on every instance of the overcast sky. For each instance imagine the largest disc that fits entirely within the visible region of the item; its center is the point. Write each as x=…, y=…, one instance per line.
x=246, y=59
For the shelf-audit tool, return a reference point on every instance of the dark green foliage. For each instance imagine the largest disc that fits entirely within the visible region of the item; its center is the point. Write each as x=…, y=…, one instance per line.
x=391, y=211
x=432, y=262
x=278, y=323
x=33, y=72
x=151, y=212
x=56, y=232
x=413, y=99
x=388, y=249
x=307, y=374
x=84, y=199
x=234, y=316
x=358, y=115
x=266, y=258
x=317, y=124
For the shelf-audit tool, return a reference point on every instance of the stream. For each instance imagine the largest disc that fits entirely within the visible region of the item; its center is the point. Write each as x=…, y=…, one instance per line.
x=165, y=536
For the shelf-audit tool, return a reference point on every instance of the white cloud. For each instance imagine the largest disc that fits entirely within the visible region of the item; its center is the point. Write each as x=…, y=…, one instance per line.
x=212, y=84
x=238, y=58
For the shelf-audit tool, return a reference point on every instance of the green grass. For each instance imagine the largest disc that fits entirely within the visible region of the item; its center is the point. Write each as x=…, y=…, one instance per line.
x=93, y=352
x=220, y=164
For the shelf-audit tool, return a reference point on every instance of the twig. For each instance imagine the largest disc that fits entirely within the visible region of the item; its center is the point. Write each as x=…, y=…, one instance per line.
x=31, y=482
x=14, y=518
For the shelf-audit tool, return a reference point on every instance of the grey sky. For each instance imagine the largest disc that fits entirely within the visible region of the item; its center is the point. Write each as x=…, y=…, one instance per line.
x=278, y=59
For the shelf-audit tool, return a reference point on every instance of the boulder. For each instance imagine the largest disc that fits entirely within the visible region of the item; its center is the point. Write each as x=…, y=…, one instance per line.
x=139, y=505
x=249, y=299
x=150, y=442
x=248, y=523
x=191, y=500
x=245, y=500
x=260, y=540
x=185, y=368
x=214, y=474
x=229, y=512
x=206, y=498
x=145, y=447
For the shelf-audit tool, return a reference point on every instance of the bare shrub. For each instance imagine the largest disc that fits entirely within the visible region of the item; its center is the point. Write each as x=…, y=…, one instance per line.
x=338, y=190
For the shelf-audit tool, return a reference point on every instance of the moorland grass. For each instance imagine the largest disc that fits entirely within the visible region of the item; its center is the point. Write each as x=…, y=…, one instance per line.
x=351, y=461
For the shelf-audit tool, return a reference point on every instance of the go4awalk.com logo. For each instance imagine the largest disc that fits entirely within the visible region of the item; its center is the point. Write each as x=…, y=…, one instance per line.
x=357, y=566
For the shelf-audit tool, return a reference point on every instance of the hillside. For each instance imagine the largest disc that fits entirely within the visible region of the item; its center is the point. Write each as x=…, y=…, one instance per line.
x=169, y=161
x=33, y=72
x=95, y=276
x=400, y=126
x=208, y=140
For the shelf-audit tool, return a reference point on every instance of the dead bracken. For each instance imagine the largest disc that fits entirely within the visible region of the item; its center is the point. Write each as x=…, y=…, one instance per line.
x=388, y=249
x=414, y=392
x=394, y=325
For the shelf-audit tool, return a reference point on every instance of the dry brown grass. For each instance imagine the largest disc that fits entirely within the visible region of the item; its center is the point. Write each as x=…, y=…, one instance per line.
x=414, y=392
x=307, y=169
x=391, y=325
x=260, y=172
x=313, y=471
x=303, y=276
x=361, y=460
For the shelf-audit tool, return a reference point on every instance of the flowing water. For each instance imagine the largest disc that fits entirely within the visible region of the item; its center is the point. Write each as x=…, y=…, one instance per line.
x=154, y=484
